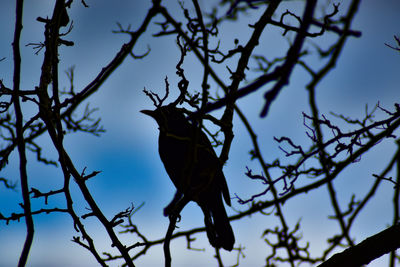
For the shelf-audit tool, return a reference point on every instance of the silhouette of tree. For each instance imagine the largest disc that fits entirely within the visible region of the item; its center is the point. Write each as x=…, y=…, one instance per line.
x=335, y=141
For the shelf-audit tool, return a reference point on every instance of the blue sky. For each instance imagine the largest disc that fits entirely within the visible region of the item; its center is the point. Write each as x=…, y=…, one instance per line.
x=127, y=156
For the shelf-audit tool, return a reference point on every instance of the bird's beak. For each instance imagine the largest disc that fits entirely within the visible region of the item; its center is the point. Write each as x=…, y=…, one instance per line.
x=148, y=112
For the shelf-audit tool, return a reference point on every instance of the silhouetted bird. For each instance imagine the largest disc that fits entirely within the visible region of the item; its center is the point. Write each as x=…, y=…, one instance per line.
x=195, y=170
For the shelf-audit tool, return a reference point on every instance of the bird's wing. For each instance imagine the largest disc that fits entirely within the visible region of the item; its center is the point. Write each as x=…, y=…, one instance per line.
x=220, y=180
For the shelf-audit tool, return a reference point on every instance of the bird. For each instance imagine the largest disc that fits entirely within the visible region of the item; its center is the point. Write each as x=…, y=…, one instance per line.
x=194, y=168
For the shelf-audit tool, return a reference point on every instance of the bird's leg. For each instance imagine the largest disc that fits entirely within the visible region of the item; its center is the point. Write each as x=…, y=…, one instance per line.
x=171, y=207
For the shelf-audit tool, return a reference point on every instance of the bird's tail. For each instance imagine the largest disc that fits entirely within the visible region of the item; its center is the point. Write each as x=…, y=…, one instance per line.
x=219, y=230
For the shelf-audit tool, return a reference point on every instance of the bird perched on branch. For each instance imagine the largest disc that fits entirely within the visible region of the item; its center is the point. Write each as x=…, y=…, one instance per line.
x=195, y=170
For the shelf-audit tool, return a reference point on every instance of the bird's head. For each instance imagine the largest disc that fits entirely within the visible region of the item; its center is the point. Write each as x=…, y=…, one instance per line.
x=167, y=117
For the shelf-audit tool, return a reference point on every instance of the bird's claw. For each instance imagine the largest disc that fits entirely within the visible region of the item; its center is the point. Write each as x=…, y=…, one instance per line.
x=171, y=212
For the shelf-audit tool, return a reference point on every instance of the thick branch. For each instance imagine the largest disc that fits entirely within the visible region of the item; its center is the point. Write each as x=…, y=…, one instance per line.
x=371, y=248
x=20, y=137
